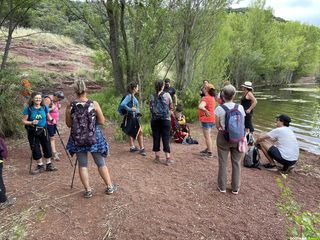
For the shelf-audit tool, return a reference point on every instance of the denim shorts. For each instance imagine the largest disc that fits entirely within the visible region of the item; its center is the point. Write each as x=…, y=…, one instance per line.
x=207, y=125
x=275, y=154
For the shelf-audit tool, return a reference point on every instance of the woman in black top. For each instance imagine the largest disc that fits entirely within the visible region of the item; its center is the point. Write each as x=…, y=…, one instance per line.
x=248, y=101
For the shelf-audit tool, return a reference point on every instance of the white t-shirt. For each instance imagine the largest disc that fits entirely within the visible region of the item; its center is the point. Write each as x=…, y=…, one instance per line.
x=221, y=113
x=286, y=142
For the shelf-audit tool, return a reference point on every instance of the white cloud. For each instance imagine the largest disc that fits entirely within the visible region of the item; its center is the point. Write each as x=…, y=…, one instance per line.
x=306, y=11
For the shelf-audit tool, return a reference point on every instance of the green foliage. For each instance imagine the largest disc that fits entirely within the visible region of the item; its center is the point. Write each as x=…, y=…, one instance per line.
x=304, y=224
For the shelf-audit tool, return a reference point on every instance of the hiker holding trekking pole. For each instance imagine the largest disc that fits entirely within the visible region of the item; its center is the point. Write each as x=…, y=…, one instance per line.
x=35, y=116
x=54, y=105
x=84, y=117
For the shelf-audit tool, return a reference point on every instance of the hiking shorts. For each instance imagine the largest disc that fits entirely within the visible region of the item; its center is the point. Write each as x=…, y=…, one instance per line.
x=207, y=125
x=52, y=130
x=82, y=158
x=275, y=154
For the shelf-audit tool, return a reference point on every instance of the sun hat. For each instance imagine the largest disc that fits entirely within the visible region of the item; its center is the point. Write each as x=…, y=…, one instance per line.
x=210, y=86
x=284, y=118
x=247, y=85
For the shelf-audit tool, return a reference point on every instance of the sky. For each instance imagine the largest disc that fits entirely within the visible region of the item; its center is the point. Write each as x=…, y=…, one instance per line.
x=304, y=11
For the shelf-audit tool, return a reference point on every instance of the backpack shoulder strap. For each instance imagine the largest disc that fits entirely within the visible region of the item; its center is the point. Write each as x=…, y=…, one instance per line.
x=236, y=106
x=225, y=108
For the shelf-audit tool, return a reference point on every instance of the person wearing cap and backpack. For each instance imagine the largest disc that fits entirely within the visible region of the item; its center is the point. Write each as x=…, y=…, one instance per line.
x=84, y=117
x=230, y=125
x=249, y=102
x=54, y=105
x=286, y=148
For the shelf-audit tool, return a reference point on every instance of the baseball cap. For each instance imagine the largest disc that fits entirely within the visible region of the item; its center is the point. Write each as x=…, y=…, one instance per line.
x=284, y=118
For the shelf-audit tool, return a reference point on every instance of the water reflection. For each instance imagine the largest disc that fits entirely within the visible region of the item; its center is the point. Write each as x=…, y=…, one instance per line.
x=302, y=104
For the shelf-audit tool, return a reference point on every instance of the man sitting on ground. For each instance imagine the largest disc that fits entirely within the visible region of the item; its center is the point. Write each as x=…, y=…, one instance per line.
x=286, y=148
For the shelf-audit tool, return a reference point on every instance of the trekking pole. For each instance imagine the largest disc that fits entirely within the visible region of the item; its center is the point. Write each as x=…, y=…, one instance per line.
x=64, y=146
x=74, y=172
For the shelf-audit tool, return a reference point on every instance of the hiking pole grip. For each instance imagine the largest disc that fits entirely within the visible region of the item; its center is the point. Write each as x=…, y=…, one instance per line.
x=62, y=143
x=74, y=172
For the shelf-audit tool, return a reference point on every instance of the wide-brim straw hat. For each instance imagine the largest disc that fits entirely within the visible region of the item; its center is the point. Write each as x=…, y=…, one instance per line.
x=247, y=85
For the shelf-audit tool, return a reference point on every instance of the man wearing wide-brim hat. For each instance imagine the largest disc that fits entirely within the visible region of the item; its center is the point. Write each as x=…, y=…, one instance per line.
x=285, y=150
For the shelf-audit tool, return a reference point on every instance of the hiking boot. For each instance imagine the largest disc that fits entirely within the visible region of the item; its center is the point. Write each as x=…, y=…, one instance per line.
x=55, y=156
x=88, y=193
x=10, y=201
x=287, y=170
x=204, y=152
x=133, y=149
x=39, y=169
x=50, y=167
x=209, y=155
x=142, y=152
x=111, y=190
x=269, y=166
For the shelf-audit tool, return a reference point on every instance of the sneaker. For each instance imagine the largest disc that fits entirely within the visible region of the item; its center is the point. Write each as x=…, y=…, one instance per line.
x=204, y=152
x=222, y=191
x=88, y=193
x=169, y=161
x=111, y=190
x=55, y=156
x=142, y=152
x=269, y=166
x=10, y=201
x=39, y=169
x=209, y=155
x=50, y=167
x=287, y=170
x=133, y=149
x=235, y=192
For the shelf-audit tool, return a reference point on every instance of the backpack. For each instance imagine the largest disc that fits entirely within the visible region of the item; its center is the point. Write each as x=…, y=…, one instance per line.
x=252, y=158
x=121, y=109
x=234, y=124
x=83, y=129
x=159, y=108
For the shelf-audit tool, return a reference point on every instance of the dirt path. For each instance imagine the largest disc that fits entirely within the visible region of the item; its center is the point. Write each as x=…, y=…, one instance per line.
x=153, y=201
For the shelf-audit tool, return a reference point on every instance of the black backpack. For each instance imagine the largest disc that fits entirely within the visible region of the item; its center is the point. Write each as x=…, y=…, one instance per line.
x=159, y=108
x=83, y=129
x=252, y=158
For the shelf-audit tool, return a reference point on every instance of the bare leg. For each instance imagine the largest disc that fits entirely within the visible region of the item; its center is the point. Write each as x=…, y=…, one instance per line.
x=131, y=141
x=84, y=177
x=157, y=154
x=53, y=144
x=265, y=145
x=207, y=137
x=140, y=140
x=104, y=173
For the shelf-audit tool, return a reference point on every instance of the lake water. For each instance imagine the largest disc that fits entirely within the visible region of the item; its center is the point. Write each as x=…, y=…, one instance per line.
x=302, y=104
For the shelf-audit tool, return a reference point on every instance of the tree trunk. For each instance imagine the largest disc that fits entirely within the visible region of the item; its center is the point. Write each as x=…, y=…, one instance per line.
x=8, y=44
x=113, y=14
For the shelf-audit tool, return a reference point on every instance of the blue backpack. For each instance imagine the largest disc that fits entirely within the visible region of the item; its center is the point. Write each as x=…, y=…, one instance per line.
x=234, y=124
x=159, y=108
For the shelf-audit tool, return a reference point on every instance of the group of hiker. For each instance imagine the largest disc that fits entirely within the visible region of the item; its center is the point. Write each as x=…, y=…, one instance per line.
x=84, y=117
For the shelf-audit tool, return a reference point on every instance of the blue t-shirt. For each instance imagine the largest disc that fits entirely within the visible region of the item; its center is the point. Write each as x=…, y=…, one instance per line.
x=127, y=103
x=37, y=114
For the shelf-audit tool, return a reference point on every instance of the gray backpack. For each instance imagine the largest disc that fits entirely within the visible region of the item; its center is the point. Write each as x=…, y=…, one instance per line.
x=252, y=158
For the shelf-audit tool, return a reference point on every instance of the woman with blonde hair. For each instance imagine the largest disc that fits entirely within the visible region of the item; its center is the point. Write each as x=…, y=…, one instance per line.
x=84, y=117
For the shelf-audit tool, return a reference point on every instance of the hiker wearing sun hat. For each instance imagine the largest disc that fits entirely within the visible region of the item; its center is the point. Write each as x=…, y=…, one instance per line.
x=285, y=150
x=248, y=101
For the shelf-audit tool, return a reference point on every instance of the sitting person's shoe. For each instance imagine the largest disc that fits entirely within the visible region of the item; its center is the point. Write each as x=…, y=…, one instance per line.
x=133, y=149
x=269, y=166
x=10, y=201
x=88, y=193
x=111, y=190
x=50, y=167
x=286, y=169
x=142, y=152
x=38, y=169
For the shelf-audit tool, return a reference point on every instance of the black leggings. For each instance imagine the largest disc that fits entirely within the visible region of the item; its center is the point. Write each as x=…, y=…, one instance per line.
x=37, y=139
x=161, y=129
x=3, y=196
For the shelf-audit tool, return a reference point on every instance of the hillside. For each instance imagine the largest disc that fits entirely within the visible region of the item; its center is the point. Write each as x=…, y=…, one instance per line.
x=153, y=201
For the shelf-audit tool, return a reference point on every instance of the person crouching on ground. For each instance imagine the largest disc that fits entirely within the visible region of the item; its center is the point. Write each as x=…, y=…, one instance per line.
x=35, y=116
x=84, y=116
x=54, y=105
x=207, y=118
x=225, y=147
x=4, y=200
x=286, y=148
x=131, y=121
